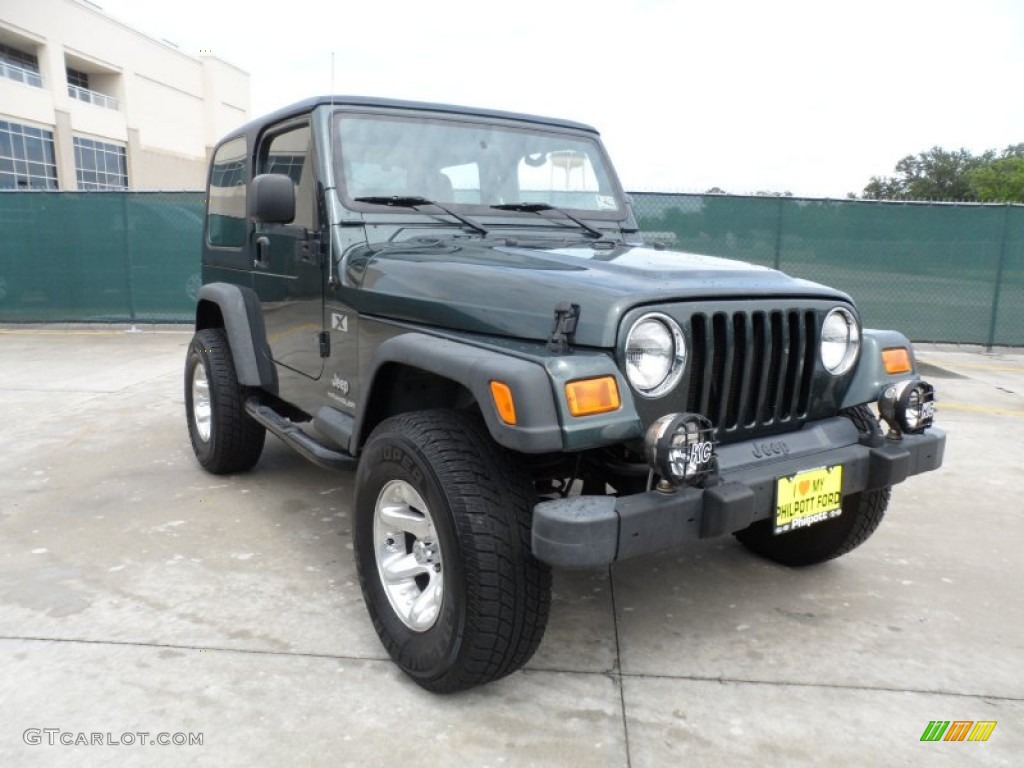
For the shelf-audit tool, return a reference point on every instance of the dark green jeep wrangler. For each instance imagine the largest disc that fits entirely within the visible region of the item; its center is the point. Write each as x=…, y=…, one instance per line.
x=457, y=304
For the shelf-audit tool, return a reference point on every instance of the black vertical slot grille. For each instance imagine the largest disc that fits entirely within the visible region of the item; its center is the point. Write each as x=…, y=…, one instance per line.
x=752, y=370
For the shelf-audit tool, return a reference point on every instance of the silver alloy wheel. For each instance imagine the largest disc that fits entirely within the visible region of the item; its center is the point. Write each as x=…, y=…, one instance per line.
x=408, y=555
x=201, y=402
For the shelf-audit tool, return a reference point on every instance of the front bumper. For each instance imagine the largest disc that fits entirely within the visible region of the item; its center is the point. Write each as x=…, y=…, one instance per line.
x=588, y=531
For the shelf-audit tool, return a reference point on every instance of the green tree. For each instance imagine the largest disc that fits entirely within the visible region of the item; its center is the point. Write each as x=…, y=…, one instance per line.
x=1002, y=179
x=885, y=188
x=937, y=174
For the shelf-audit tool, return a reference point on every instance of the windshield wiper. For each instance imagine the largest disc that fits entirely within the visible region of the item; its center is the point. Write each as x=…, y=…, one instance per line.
x=411, y=201
x=538, y=207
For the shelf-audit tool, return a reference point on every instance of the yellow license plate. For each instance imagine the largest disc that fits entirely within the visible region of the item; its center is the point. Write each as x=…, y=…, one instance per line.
x=808, y=497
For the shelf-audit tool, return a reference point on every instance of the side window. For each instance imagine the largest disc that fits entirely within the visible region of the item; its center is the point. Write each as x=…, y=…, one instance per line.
x=225, y=218
x=288, y=153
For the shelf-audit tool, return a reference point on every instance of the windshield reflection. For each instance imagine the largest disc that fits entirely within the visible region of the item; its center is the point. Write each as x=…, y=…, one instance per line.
x=472, y=164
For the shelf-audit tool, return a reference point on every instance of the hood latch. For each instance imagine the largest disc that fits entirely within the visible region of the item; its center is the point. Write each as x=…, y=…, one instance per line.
x=567, y=315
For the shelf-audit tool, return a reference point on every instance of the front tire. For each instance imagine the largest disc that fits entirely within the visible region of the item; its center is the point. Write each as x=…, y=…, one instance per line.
x=442, y=545
x=862, y=513
x=224, y=437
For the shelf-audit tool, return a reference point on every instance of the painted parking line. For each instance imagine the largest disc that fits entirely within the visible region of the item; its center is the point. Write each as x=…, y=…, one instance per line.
x=42, y=332
x=974, y=366
x=945, y=406
x=34, y=332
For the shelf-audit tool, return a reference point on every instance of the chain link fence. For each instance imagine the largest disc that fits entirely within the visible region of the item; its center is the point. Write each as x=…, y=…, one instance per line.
x=99, y=256
x=936, y=272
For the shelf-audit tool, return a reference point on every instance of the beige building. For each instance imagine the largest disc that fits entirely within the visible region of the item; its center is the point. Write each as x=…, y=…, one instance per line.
x=87, y=102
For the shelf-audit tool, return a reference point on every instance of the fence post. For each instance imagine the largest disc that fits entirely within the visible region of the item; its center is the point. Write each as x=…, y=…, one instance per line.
x=999, y=279
x=778, y=236
x=130, y=277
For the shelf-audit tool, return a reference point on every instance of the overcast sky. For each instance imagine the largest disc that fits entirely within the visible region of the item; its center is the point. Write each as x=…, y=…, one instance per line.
x=807, y=97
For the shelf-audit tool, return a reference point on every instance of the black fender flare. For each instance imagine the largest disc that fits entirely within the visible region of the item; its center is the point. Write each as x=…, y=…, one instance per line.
x=537, y=428
x=239, y=309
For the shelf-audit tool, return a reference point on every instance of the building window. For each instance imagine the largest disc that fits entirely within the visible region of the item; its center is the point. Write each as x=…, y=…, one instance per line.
x=20, y=66
x=99, y=165
x=78, y=78
x=27, y=158
x=78, y=88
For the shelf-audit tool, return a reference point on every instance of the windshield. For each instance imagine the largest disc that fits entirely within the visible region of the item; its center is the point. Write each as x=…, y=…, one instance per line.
x=471, y=164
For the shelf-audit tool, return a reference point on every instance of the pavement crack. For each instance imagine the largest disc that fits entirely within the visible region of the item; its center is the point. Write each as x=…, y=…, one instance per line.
x=830, y=686
x=197, y=648
x=617, y=673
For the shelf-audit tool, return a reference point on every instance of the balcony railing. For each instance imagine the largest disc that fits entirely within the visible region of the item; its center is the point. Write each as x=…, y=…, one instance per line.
x=92, y=97
x=22, y=75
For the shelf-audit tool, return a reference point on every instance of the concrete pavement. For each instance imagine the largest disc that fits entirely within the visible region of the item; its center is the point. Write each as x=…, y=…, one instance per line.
x=139, y=594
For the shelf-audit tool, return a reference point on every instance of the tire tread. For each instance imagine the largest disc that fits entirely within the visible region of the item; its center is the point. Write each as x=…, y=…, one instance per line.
x=508, y=591
x=236, y=440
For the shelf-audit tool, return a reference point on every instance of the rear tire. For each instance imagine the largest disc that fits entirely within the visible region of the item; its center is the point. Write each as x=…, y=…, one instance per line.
x=224, y=437
x=442, y=545
x=862, y=513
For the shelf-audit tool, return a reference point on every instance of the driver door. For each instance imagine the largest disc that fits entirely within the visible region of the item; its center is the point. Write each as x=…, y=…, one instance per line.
x=289, y=279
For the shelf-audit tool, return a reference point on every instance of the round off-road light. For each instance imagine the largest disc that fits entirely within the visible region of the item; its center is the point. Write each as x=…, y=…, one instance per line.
x=680, y=447
x=655, y=354
x=840, y=341
x=908, y=406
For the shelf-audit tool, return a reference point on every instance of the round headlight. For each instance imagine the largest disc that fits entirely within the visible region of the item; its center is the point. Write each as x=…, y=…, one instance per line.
x=908, y=406
x=840, y=341
x=655, y=354
x=680, y=447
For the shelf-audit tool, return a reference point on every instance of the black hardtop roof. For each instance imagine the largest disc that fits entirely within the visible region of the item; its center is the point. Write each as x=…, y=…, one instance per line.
x=307, y=105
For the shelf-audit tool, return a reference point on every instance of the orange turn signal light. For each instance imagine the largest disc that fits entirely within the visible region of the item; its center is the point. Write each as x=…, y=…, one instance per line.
x=503, y=401
x=897, y=360
x=589, y=396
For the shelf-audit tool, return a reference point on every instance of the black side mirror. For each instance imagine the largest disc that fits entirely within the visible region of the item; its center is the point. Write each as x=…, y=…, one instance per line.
x=271, y=199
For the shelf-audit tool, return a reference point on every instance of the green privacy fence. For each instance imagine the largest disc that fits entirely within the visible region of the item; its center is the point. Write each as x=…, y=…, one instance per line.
x=937, y=272
x=99, y=256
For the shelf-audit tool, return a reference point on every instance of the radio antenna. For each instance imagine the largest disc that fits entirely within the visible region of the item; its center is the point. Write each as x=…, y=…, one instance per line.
x=332, y=281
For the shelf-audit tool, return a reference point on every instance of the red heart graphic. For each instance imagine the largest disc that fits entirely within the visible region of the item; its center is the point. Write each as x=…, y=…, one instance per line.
x=804, y=487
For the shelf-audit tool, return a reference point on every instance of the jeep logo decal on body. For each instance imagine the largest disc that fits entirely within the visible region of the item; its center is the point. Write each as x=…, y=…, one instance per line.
x=770, y=448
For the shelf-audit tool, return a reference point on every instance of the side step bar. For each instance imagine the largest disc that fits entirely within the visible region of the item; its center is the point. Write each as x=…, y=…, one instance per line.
x=293, y=435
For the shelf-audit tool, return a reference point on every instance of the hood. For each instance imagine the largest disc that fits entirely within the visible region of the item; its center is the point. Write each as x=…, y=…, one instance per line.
x=511, y=290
